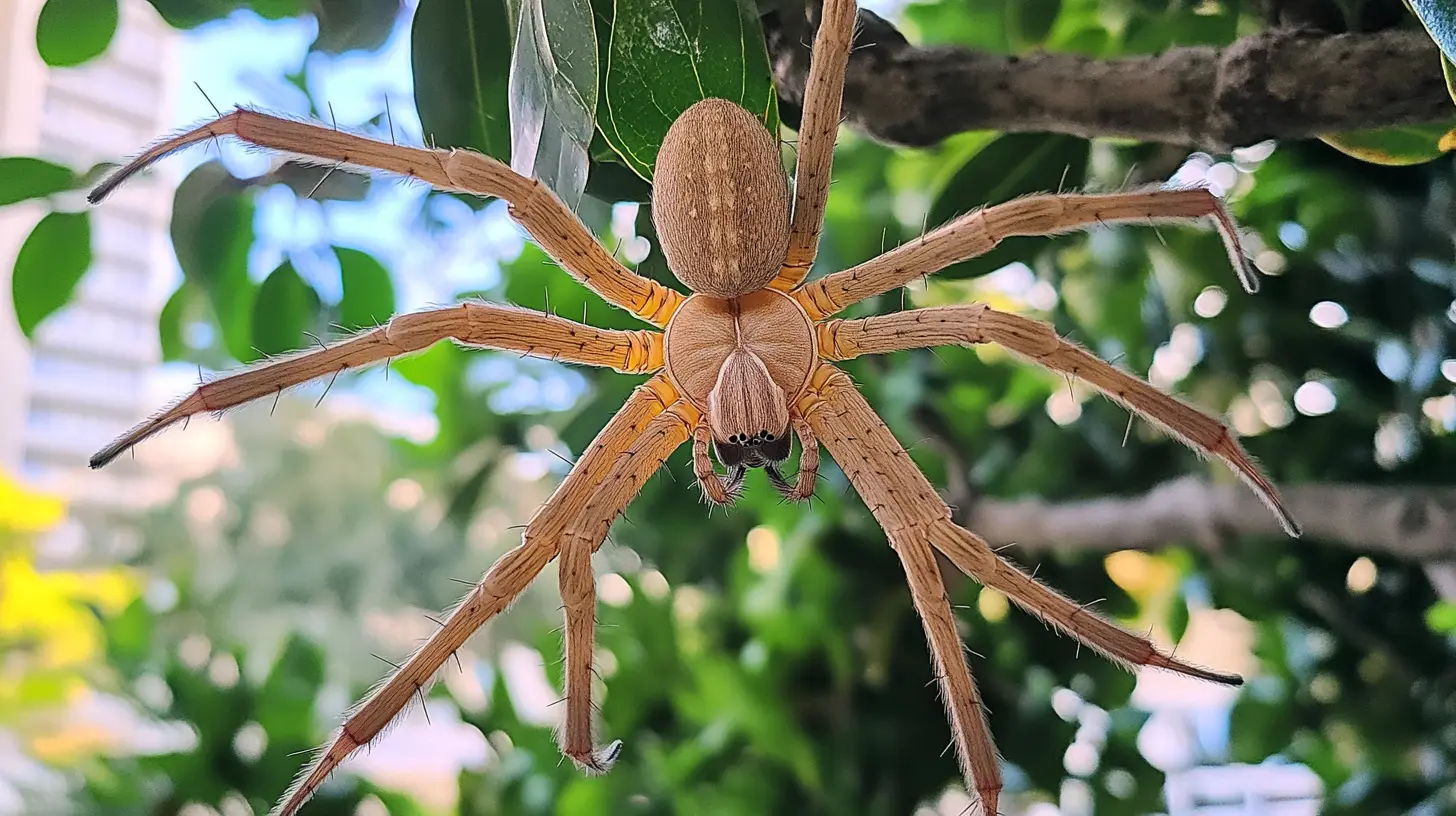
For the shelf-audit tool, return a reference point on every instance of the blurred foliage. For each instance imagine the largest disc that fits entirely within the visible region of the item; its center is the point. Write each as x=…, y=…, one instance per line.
x=51, y=642
x=769, y=661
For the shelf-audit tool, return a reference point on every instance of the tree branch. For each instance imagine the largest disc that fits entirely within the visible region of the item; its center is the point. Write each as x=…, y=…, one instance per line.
x=1279, y=83
x=1417, y=523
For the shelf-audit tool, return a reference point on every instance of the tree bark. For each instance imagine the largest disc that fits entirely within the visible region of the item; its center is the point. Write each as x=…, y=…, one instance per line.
x=1412, y=522
x=1277, y=84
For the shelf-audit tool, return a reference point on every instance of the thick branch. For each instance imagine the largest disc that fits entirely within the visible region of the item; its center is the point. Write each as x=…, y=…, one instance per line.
x=1279, y=83
x=1418, y=523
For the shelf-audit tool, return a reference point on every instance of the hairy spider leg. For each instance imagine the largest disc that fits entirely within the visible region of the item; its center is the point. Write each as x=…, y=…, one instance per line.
x=532, y=204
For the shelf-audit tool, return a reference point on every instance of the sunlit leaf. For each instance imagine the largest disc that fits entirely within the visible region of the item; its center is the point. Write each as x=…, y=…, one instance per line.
x=666, y=55
x=23, y=178
x=51, y=262
x=461, y=52
x=1012, y=165
x=70, y=32
x=1397, y=146
x=368, y=291
x=284, y=309
x=553, y=94
x=212, y=234
x=170, y=328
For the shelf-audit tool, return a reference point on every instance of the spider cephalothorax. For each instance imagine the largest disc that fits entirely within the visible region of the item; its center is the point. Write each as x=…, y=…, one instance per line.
x=743, y=366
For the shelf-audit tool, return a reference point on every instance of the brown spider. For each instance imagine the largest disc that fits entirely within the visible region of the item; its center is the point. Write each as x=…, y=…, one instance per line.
x=742, y=366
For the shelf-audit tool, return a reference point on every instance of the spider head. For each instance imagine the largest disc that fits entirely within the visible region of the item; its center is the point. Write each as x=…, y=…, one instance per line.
x=767, y=451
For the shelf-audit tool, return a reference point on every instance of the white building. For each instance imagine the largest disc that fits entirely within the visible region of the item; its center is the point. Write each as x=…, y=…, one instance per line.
x=82, y=379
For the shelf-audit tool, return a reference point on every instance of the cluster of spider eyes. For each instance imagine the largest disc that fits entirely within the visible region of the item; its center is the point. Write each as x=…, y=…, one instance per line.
x=757, y=439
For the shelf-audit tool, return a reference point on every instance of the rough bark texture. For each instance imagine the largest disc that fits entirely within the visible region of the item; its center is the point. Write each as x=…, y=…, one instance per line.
x=1406, y=521
x=1280, y=83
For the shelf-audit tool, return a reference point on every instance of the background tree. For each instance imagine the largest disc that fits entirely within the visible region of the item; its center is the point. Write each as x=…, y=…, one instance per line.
x=769, y=660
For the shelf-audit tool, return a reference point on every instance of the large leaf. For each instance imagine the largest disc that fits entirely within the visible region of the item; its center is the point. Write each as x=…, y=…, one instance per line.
x=461, y=56
x=666, y=55
x=1012, y=165
x=553, y=94
x=1397, y=146
x=51, y=262
x=284, y=310
x=368, y=291
x=212, y=234
x=70, y=32
x=1439, y=18
x=353, y=25
x=23, y=178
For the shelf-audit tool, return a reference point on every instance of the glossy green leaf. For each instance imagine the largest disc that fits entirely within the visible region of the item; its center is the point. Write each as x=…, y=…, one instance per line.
x=70, y=32
x=212, y=234
x=1397, y=146
x=51, y=262
x=23, y=178
x=1010, y=166
x=1439, y=18
x=284, y=310
x=666, y=55
x=461, y=52
x=553, y=94
x=354, y=25
x=368, y=290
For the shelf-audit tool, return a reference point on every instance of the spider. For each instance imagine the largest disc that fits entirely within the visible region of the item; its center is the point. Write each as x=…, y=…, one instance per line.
x=742, y=367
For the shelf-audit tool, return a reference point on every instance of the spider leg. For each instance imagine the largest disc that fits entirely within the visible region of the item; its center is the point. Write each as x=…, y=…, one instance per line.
x=718, y=490
x=907, y=507
x=560, y=233
x=903, y=501
x=823, y=94
x=584, y=534
x=803, y=489
x=1038, y=342
x=471, y=323
x=978, y=232
x=505, y=580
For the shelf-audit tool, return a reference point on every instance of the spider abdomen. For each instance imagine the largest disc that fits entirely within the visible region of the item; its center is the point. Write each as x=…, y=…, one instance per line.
x=742, y=361
x=720, y=200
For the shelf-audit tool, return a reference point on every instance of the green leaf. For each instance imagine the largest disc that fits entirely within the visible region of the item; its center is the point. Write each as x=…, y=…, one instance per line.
x=1178, y=618
x=1448, y=71
x=70, y=32
x=461, y=55
x=1439, y=18
x=1010, y=166
x=212, y=234
x=170, y=324
x=553, y=94
x=286, y=700
x=354, y=25
x=1028, y=22
x=666, y=55
x=51, y=262
x=23, y=178
x=187, y=14
x=283, y=311
x=368, y=291
x=1397, y=146
x=1441, y=618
